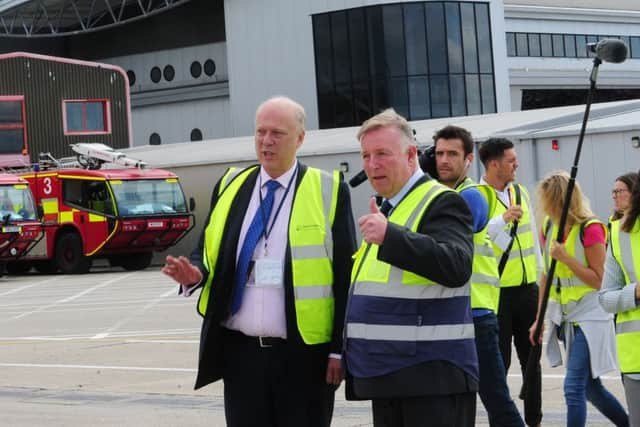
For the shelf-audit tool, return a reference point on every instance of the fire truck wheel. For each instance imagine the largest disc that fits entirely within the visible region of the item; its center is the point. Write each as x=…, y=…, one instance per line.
x=69, y=256
x=138, y=261
x=18, y=267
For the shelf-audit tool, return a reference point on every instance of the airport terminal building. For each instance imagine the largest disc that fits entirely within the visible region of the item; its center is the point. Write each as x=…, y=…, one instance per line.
x=197, y=69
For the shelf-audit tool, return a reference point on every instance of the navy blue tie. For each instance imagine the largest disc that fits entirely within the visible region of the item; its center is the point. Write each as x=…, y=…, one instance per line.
x=255, y=231
x=385, y=208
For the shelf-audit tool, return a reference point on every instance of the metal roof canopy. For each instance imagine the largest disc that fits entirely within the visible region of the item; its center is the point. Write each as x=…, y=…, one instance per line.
x=50, y=18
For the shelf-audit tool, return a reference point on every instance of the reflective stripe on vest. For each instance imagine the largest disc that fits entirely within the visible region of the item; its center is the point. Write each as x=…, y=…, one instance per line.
x=626, y=250
x=523, y=250
x=485, y=281
x=310, y=240
x=380, y=279
x=409, y=333
x=571, y=287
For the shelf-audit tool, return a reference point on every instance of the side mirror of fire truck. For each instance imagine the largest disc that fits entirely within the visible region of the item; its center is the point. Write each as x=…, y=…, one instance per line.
x=40, y=210
x=192, y=204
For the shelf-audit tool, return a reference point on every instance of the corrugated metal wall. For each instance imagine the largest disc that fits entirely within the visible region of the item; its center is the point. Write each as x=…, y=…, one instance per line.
x=45, y=84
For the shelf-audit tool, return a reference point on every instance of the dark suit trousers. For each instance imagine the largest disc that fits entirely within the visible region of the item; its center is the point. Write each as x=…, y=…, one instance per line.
x=279, y=386
x=450, y=410
x=517, y=311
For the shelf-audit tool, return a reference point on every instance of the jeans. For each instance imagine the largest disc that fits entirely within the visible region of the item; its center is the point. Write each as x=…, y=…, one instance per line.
x=494, y=391
x=579, y=386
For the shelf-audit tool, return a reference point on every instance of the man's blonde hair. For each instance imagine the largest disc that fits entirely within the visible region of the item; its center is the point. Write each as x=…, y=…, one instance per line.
x=388, y=118
x=298, y=110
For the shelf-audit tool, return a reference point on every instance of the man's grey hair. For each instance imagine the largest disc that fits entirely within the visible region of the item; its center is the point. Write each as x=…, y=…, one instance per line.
x=298, y=109
x=388, y=118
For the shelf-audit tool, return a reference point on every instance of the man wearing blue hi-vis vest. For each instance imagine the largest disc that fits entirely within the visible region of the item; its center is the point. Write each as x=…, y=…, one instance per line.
x=409, y=331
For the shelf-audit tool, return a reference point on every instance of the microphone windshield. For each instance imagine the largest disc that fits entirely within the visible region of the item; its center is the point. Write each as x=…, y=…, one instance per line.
x=358, y=179
x=610, y=50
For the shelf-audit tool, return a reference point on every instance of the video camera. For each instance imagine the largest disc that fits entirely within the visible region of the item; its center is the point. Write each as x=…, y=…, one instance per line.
x=426, y=159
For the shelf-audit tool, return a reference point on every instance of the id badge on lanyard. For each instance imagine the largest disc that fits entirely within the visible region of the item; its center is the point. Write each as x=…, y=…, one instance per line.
x=269, y=273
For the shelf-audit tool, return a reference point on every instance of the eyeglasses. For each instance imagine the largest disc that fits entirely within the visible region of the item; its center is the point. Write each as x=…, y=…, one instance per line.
x=616, y=193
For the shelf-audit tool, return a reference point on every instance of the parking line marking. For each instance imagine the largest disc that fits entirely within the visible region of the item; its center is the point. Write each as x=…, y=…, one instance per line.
x=121, y=334
x=163, y=341
x=26, y=287
x=135, y=314
x=106, y=367
x=72, y=297
x=146, y=368
x=86, y=291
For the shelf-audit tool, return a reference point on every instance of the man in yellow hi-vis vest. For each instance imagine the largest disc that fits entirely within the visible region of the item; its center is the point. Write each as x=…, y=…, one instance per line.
x=512, y=230
x=454, y=155
x=273, y=263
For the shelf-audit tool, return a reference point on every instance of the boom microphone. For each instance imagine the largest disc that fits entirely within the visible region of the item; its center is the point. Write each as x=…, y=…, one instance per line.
x=358, y=178
x=609, y=50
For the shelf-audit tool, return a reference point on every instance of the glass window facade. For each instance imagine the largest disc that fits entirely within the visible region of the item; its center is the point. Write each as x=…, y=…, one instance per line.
x=562, y=45
x=424, y=59
x=546, y=98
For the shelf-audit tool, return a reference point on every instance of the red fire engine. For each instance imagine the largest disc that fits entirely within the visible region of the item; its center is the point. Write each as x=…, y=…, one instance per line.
x=20, y=227
x=123, y=214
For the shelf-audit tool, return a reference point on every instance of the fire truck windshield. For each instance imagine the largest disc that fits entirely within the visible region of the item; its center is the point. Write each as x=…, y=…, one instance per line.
x=16, y=203
x=148, y=197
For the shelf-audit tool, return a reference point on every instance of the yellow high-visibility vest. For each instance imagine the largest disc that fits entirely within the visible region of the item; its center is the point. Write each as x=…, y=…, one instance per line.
x=310, y=239
x=626, y=250
x=571, y=288
x=521, y=264
x=485, y=282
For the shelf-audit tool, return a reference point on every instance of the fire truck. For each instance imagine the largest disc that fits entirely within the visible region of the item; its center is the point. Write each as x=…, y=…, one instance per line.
x=20, y=227
x=103, y=204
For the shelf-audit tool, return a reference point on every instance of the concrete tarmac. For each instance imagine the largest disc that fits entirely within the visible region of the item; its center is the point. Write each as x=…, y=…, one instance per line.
x=115, y=348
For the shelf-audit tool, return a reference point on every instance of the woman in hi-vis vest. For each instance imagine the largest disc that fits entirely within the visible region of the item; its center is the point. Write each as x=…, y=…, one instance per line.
x=621, y=194
x=574, y=311
x=620, y=294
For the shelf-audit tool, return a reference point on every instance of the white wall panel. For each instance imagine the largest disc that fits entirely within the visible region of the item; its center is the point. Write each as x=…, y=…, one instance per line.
x=174, y=122
x=604, y=157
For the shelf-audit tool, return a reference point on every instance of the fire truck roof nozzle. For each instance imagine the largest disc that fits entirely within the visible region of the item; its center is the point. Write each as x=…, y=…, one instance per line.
x=103, y=153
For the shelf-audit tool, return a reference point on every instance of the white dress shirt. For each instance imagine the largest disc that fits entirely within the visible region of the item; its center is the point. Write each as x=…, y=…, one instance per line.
x=262, y=312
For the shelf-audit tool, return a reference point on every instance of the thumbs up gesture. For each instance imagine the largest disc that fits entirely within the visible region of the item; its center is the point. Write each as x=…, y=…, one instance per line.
x=373, y=225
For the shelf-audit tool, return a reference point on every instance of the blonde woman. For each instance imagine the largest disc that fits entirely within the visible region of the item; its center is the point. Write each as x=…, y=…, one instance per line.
x=620, y=294
x=574, y=311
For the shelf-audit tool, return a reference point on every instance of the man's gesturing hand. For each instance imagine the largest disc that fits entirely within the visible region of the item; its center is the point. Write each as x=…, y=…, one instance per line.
x=181, y=270
x=373, y=226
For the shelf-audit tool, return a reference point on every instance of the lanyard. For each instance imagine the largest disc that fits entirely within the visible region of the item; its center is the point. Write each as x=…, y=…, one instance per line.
x=267, y=230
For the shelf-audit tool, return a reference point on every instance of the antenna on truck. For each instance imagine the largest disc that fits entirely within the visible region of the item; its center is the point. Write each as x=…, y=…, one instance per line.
x=93, y=155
